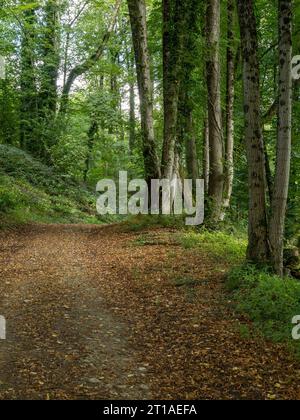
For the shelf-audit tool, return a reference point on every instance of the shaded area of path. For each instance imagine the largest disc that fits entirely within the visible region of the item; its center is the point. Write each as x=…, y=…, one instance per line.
x=97, y=312
x=61, y=340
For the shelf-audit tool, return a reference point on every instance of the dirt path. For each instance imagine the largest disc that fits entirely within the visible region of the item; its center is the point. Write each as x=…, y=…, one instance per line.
x=97, y=312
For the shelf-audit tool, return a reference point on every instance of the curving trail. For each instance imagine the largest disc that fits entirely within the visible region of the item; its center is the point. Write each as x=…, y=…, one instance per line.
x=96, y=312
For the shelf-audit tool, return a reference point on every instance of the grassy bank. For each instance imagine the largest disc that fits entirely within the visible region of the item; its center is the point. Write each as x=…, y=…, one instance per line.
x=33, y=192
x=265, y=301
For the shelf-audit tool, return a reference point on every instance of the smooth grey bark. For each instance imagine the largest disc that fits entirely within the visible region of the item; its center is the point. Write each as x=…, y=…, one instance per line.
x=206, y=155
x=258, y=248
x=172, y=38
x=132, y=101
x=229, y=144
x=137, y=12
x=191, y=149
x=28, y=88
x=282, y=174
x=213, y=73
x=132, y=120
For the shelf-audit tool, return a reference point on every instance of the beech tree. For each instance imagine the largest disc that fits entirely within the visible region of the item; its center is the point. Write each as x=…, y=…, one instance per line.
x=172, y=50
x=137, y=12
x=230, y=90
x=214, y=99
x=282, y=174
x=29, y=97
x=216, y=147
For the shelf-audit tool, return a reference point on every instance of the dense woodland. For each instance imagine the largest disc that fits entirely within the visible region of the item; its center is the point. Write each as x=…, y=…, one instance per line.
x=193, y=89
x=211, y=83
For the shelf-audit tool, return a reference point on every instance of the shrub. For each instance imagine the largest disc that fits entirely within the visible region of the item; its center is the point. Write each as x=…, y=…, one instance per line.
x=268, y=300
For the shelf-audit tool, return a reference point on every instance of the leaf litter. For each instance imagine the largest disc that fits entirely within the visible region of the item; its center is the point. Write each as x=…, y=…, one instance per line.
x=102, y=313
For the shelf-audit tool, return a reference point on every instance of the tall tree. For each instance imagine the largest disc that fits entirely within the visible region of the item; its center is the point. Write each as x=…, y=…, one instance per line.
x=172, y=44
x=132, y=116
x=137, y=12
x=229, y=144
x=132, y=120
x=28, y=91
x=186, y=129
x=86, y=65
x=206, y=154
x=49, y=75
x=216, y=177
x=258, y=249
x=282, y=175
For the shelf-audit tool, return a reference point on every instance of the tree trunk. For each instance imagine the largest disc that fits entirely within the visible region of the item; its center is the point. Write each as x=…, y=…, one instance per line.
x=93, y=130
x=132, y=123
x=186, y=129
x=258, y=249
x=28, y=105
x=282, y=174
x=82, y=68
x=206, y=154
x=267, y=117
x=51, y=57
x=191, y=149
x=49, y=76
x=216, y=176
x=229, y=165
x=137, y=12
x=171, y=58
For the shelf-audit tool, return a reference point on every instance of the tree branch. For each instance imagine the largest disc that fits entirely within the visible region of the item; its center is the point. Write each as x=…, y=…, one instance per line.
x=82, y=68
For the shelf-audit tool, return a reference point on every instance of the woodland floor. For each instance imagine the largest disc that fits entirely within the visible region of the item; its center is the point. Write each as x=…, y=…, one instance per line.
x=100, y=313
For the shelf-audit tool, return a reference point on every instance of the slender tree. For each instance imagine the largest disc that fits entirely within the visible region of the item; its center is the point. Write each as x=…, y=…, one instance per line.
x=28, y=91
x=132, y=119
x=282, y=175
x=49, y=75
x=206, y=155
x=172, y=44
x=229, y=144
x=258, y=249
x=132, y=102
x=137, y=12
x=186, y=129
x=216, y=147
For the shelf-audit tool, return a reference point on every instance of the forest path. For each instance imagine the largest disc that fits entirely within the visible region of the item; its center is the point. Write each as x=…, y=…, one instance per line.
x=98, y=312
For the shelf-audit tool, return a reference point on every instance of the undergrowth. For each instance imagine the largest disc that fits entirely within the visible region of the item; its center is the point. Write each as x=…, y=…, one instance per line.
x=224, y=246
x=267, y=300
x=33, y=192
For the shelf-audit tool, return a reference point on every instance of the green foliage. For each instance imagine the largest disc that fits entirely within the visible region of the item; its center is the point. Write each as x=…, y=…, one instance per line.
x=31, y=191
x=10, y=195
x=143, y=222
x=219, y=245
x=270, y=302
